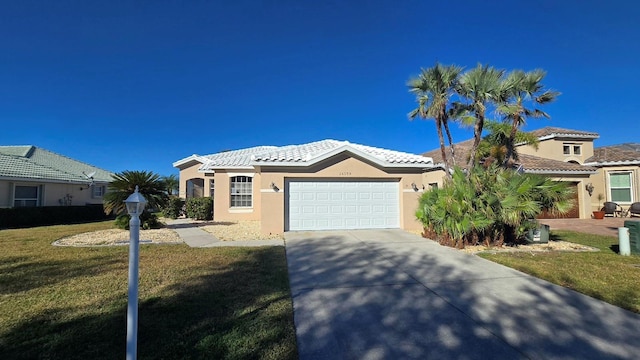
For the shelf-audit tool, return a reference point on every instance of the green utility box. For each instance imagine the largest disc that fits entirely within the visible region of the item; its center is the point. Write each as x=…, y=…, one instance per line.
x=634, y=235
x=538, y=235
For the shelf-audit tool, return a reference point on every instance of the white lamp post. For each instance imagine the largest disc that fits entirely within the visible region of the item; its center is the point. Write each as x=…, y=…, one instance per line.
x=135, y=205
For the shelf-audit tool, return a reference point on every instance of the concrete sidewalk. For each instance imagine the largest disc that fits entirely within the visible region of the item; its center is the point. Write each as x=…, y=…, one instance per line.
x=392, y=295
x=190, y=232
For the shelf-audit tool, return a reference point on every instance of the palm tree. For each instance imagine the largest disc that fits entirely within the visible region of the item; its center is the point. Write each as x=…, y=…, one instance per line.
x=493, y=147
x=123, y=184
x=479, y=86
x=171, y=183
x=523, y=88
x=433, y=89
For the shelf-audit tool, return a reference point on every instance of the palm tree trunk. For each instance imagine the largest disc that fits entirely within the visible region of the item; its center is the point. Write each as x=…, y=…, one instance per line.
x=509, y=157
x=477, y=136
x=442, y=148
x=451, y=146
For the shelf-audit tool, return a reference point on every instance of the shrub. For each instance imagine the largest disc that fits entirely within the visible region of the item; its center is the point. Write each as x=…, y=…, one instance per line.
x=173, y=207
x=24, y=217
x=147, y=221
x=491, y=205
x=200, y=208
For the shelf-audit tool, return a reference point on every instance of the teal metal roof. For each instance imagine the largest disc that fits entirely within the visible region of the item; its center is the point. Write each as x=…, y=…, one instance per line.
x=32, y=163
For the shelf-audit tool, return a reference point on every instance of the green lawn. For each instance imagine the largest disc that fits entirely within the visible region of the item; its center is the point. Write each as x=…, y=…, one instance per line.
x=214, y=303
x=603, y=275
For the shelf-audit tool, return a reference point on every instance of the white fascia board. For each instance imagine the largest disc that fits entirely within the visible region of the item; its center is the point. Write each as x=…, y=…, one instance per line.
x=194, y=157
x=213, y=169
x=576, y=136
x=560, y=172
x=613, y=163
x=352, y=150
x=41, y=180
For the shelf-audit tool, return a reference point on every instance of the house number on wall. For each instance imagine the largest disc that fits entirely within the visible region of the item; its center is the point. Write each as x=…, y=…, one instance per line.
x=344, y=173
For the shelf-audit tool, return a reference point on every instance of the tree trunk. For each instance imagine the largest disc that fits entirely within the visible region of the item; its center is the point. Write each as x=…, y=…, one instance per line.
x=442, y=148
x=477, y=136
x=451, y=146
x=509, y=157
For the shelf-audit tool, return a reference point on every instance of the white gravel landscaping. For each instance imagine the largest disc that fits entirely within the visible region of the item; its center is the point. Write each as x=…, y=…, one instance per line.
x=119, y=237
x=238, y=231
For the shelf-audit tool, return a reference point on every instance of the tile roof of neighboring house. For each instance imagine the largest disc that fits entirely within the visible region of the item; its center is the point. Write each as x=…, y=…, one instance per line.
x=34, y=163
x=622, y=154
x=303, y=155
x=530, y=163
x=550, y=132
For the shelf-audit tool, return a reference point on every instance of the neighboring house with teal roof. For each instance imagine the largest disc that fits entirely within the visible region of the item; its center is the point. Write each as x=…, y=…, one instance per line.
x=32, y=176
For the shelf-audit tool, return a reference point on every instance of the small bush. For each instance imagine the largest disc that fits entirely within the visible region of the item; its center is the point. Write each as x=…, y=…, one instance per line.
x=173, y=207
x=200, y=208
x=147, y=221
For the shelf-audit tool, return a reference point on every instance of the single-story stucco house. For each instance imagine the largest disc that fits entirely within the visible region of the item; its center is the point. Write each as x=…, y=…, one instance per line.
x=321, y=185
x=32, y=176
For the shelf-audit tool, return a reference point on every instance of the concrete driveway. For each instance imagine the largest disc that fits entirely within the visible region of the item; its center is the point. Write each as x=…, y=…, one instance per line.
x=387, y=294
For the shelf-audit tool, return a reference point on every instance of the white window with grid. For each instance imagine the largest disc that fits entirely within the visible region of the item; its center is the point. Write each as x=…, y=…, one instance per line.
x=241, y=191
x=621, y=187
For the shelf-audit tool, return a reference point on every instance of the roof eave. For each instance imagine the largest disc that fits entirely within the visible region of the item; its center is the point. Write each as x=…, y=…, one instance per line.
x=189, y=159
x=212, y=169
x=346, y=148
x=559, y=172
x=613, y=163
x=562, y=135
x=45, y=180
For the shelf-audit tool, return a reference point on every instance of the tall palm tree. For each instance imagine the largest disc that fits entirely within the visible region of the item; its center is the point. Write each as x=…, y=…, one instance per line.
x=523, y=88
x=123, y=184
x=433, y=88
x=480, y=86
x=171, y=183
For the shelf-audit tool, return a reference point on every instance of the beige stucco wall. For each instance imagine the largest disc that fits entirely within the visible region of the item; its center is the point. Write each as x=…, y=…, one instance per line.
x=433, y=177
x=553, y=149
x=52, y=193
x=191, y=172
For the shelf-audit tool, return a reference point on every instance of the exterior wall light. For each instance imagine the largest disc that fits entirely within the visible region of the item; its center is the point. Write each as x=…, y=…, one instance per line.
x=135, y=205
x=589, y=188
x=414, y=186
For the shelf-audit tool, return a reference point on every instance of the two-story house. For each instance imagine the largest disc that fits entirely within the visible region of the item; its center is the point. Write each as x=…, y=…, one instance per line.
x=569, y=155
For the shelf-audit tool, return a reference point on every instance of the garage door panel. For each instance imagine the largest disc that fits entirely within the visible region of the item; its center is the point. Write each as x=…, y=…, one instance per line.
x=325, y=205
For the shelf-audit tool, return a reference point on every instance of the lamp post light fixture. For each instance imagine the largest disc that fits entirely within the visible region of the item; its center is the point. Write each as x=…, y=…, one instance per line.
x=135, y=205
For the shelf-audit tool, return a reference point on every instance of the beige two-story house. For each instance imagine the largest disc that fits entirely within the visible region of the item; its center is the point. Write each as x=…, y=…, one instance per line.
x=570, y=155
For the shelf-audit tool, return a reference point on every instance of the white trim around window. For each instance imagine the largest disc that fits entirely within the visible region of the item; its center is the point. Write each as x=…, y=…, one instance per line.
x=241, y=191
x=621, y=186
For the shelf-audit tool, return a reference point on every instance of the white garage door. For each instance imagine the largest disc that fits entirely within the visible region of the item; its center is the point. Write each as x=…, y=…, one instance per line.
x=333, y=205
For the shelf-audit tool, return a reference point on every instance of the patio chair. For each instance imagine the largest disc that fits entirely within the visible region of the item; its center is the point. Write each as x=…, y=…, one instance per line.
x=634, y=209
x=612, y=209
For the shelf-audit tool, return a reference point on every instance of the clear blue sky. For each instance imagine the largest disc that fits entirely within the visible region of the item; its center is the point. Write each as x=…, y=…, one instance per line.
x=137, y=85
